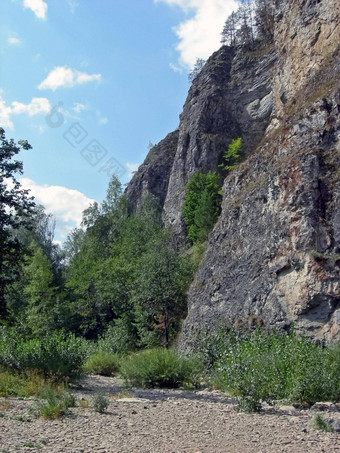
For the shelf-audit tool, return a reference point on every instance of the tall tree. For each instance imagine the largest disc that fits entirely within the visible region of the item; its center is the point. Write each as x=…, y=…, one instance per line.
x=264, y=17
x=15, y=209
x=196, y=69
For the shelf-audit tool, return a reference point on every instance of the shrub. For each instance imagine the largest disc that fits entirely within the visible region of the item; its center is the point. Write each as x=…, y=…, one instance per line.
x=57, y=356
x=102, y=363
x=100, y=403
x=161, y=368
x=272, y=367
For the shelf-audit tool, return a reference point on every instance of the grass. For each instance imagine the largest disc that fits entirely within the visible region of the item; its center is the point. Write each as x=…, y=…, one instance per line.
x=53, y=403
x=161, y=368
x=121, y=395
x=20, y=385
x=102, y=363
x=319, y=423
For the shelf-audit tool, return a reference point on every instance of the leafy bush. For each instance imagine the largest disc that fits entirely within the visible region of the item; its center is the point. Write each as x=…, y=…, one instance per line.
x=272, y=367
x=57, y=356
x=161, y=368
x=102, y=363
x=100, y=403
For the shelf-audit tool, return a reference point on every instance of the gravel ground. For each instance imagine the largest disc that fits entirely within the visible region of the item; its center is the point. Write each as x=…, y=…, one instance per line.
x=159, y=421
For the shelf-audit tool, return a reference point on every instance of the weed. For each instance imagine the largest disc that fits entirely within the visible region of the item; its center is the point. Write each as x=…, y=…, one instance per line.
x=319, y=423
x=100, y=403
x=23, y=419
x=4, y=405
x=121, y=395
x=84, y=403
x=53, y=404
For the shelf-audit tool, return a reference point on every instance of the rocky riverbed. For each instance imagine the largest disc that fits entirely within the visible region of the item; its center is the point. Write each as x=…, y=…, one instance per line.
x=159, y=421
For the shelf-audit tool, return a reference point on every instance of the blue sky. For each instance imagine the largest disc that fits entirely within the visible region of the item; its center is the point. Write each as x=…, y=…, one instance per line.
x=89, y=83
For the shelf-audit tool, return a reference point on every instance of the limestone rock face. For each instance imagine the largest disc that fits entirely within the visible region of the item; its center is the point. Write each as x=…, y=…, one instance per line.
x=153, y=175
x=231, y=97
x=273, y=258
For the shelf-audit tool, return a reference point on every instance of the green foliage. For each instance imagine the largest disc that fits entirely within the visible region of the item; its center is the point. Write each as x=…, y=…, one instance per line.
x=320, y=424
x=53, y=403
x=201, y=206
x=161, y=368
x=159, y=293
x=15, y=210
x=265, y=367
x=40, y=293
x=233, y=155
x=100, y=403
x=120, y=337
x=102, y=363
x=56, y=356
x=13, y=385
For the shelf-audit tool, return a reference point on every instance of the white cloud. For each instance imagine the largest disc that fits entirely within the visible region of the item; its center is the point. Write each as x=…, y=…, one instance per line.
x=103, y=120
x=39, y=7
x=13, y=41
x=35, y=107
x=78, y=107
x=64, y=77
x=67, y=205
x=200, y=35
x=73, y=5
x=175, y=68
x=132, y=169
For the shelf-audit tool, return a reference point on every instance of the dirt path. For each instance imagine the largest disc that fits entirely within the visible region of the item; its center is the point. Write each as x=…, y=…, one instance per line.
x=157, y=421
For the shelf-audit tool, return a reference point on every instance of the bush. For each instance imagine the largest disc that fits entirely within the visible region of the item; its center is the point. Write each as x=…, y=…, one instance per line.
x=57, y=356
x=161, y=368
x=100, y=403
x=272, y=367
x=102, y=363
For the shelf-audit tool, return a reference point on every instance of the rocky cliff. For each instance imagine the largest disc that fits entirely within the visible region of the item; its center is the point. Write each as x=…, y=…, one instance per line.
x=273, y=258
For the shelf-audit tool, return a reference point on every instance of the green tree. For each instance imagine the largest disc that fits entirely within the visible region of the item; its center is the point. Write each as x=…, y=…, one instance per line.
x=40, y=293
x=196, y=69
x=233, y=155
x=159, y=293
x=201, y=205
x=15, y=210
